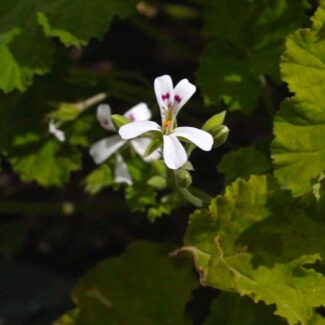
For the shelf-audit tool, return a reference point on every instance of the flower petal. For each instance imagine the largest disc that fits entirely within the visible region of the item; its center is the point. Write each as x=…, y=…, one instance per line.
x=134, y=129
x=140, y=112
x=200, y=138
x=104, y=148
x=173, y=152
x=59, y=134
x=182, y=93
x=104, y=117
x=140, y=146
x=164, y=92
x=122, y=174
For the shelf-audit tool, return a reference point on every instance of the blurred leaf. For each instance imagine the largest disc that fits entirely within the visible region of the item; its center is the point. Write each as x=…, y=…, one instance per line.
x=48, y=166
x=317, y=320
x=78, y=133
x=165, y=205
x=213, y=237
x=234, y=83
x=66, y=112
x=243, y=162
x=247, y=40
x=68, y=318
x=298, y=150
x=138, y=287
x=76, y=22
x=73, y=22
x=231, y=309
x=98, y=179
x=140, y=195
x=17, y=66
x=22, y=114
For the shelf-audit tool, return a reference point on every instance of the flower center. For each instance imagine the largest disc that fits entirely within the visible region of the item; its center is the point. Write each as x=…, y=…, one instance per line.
x=168, y=120
x=169, y=114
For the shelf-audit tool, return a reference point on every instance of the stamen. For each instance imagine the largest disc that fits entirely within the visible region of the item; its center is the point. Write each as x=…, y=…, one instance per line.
x=177, y=99
x=166, y=124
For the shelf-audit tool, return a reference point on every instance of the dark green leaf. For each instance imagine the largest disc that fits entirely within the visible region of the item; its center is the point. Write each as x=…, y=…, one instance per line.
x=143, y=286
x=243, y=162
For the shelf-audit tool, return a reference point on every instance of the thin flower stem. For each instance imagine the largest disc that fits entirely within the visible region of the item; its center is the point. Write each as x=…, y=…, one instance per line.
x=190, y=197
x=83, y=105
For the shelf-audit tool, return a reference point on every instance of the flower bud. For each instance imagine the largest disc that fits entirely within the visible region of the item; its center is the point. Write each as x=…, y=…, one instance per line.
x=214, y=121
x=119, y=121
x=219, y=134
x=183, y=178
x=65, y=112
x=157, y=182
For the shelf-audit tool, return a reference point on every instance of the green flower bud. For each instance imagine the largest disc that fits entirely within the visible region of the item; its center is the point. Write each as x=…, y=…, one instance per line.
x=65, y=112
x=183, y=178
x=70, y=111
x=119, y=121
x=214, y=121
x=157, y=182
x=219, y=134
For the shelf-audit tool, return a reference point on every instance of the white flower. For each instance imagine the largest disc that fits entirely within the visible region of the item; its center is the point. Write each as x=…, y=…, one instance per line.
x=105, y=148
x=53, y=129
x=122, y=174
x=170, y=101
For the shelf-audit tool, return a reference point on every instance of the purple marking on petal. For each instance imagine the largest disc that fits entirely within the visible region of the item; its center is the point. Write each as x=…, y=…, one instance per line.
x=177, y=99
x=165, y=97
x=105, y=123
x=131, y=117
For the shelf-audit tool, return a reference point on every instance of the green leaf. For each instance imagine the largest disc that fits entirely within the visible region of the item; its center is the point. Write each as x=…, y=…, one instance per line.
x=143, y=286
x=293, y=229
x=247, y=38
x=165, y=205
x=294, y=288
x=19, y=37
x=98, y=179
x=298, y=150
x=24, y=124
x=153, y=146
x=233, y=83
x=68, y=318
x=48, y=166
x=25, y=26
x=140, y=195
x=317, y=320
x=246, y=199
x=78, y=132
x=76, y=22
x=214, y=237
x=243, y=162
x=231, y=309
